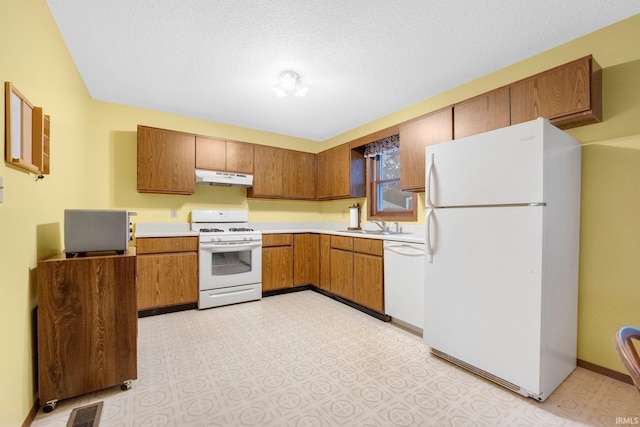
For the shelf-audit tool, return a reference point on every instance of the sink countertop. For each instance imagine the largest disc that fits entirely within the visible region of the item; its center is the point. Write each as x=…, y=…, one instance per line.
x=164, y=229
x=413, y=234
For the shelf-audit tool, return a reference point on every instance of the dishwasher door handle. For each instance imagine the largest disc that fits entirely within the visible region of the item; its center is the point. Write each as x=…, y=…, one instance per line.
x=405, y=250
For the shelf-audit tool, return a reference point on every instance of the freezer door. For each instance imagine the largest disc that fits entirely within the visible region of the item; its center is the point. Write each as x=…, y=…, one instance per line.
x=504, y=166
x=483, y=290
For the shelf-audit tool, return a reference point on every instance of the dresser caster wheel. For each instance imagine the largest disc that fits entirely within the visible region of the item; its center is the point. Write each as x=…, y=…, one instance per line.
x=50, y=406
x=125, y=385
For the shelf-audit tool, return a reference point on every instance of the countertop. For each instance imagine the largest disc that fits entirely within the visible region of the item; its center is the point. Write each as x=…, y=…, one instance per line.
x=411, y=233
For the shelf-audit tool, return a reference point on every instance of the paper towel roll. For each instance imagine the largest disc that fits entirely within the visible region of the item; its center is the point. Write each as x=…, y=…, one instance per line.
x=353, y=217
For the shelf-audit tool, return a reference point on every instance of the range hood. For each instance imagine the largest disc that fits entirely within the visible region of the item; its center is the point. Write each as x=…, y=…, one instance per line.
x=226, y=179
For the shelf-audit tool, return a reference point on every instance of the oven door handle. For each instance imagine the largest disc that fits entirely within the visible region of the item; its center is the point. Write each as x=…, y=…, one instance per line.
x=229, y=247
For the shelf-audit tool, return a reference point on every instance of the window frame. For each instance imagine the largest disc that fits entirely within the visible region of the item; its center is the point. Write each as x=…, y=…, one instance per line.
x=372, y=167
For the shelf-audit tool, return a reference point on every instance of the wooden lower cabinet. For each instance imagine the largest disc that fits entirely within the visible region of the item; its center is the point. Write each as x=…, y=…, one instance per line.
x=356, y=270
x=306, y=259
x=368, y=281
x=325, y=262
x=87, y=324
x=167, y=272
x=277, y=261
x=342, y=273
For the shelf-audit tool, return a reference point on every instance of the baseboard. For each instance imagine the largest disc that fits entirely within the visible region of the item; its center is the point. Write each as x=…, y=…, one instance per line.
x=31, y=416
x=605, y=371
x=164, y=310
x=314, y=288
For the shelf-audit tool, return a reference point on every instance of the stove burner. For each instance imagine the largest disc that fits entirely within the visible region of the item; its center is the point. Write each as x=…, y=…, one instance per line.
x=240, y=229
x=211, y=230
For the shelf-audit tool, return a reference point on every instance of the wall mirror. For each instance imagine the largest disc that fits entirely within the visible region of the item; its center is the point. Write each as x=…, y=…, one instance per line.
x=18, y=129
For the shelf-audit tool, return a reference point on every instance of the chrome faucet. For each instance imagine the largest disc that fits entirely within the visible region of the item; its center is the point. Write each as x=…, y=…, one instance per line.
x=381, y=224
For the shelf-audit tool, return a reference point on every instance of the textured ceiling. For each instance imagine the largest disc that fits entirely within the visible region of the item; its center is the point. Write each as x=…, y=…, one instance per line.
x=361, y=59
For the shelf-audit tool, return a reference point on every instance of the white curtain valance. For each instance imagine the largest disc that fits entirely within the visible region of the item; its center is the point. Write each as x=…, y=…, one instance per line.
x=382, y=146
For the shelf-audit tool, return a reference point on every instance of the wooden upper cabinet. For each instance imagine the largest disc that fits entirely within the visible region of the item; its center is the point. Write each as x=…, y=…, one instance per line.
x=299, y=175
x=225, y=156
x=268, y=176
x=340, y=173
x=166, y=161
x=482, y=113
x=282, y=173
x=239, y=157
x=569, y=95
x=211, y=153
x=415, y=136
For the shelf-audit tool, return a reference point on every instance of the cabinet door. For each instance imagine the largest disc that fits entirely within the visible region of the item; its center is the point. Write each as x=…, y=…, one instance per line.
x=267, y=179
x=483, y=113
x=342, y=273
x=570, y=91
x=325, y=262
x=368, y=281
x=415, y=136
x=277, y=268
x=306, y=259
x=334, y=172
x=211, y=153
x=167, y=279
x=300, y=171
x=239, y=157
x=166, y=161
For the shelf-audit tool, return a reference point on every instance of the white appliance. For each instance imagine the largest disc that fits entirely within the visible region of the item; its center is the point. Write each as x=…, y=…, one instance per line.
x=225, y=179
x=501, y=279
x=404, y=283
x=230, y=258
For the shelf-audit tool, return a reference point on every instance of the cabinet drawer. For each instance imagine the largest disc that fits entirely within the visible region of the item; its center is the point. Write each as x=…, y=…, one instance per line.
x=368, y=246
x=277, y=240
x=150, y=245
x=342, y=242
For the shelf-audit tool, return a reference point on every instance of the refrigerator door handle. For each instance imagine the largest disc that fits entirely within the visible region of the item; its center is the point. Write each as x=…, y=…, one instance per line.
x=427, y=197
x=428, y=246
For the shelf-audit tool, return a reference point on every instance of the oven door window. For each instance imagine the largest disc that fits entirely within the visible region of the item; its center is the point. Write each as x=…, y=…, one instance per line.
x=226, y=263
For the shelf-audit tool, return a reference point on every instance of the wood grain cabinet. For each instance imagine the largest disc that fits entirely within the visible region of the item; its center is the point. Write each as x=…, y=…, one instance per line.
x=167, y=271
x=283, y=174
x=325, y=262
x=569, y=95
x=368, y=277
x=166, y=161
x=482, y=113
x=415, y=136
x=277, y=261
x=87, y=325
x=357, y=270
x=340, y=173
x=224, y=155
x=306, y=259
x=342, y=266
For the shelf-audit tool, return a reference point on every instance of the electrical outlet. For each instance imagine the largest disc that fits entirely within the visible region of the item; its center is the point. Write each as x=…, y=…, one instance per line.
x=174, y=213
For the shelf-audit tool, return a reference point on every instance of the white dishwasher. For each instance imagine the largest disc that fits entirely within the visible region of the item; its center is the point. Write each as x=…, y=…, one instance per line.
x=404, y=283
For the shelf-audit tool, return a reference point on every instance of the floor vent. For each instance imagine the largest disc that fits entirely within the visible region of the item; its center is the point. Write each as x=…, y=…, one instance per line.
x=85, y=416
x=504, y=383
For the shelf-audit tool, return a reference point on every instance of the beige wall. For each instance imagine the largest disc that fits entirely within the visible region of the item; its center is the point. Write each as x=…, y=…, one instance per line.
x=93, y=165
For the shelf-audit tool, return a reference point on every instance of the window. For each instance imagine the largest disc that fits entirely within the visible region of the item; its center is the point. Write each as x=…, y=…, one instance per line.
x=385, y=198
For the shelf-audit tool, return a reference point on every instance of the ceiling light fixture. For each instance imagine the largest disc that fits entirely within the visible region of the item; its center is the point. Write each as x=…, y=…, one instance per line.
x=290, y=84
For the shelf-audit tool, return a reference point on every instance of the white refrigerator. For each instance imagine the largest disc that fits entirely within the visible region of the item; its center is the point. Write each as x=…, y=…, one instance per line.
x=502, y=241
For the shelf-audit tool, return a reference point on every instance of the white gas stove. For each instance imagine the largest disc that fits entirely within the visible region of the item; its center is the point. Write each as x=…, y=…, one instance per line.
x=230, y=257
